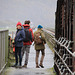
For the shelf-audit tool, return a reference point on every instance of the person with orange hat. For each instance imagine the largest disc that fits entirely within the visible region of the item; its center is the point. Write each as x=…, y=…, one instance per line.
x=19, y=37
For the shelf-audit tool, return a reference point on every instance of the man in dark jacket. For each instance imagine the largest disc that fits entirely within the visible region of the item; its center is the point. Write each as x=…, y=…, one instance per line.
x=20, y=36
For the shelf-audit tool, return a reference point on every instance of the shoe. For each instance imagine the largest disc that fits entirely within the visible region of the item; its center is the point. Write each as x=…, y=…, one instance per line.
x=37, y=67
x=41, y=66
x=25, y=66
x=19, y=66
x=15, y=65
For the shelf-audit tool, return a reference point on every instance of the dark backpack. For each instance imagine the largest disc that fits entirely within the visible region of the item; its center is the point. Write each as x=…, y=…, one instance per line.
x=28, y=35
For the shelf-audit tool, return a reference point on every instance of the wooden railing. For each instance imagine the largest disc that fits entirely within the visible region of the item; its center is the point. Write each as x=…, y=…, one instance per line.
x=3, y=49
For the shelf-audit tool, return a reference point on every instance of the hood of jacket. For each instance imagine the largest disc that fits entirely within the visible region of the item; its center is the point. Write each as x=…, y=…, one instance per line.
x=26, y=25
x=22, y=28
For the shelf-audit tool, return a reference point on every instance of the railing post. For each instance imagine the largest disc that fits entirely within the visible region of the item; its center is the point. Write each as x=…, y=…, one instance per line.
x=74, y=33
x=0, y=50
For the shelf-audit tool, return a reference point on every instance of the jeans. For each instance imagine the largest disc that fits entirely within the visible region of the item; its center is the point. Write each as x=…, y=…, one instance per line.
x=18, y=52
x=26, y=50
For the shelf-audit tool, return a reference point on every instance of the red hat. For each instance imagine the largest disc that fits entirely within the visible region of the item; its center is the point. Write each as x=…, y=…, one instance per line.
x=19, y=23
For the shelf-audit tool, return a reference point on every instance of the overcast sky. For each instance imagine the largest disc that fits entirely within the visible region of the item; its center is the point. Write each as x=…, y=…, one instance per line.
x=37, y=11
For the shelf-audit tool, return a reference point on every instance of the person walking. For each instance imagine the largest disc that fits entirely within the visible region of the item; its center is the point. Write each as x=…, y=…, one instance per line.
x=39, y=43
x=19, y=37
x=27, y=44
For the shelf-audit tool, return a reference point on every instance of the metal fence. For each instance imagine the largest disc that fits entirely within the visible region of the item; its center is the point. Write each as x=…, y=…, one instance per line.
x=65, y=37
x=64, y=58
x=3, y=49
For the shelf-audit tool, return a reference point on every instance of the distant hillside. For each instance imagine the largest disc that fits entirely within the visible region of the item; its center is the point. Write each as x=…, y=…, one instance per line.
x=37, y=11
x=7, y=24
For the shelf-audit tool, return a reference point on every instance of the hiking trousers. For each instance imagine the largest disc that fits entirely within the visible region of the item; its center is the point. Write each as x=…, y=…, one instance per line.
x=42, y=56
x=18, y=52
x=26, y=50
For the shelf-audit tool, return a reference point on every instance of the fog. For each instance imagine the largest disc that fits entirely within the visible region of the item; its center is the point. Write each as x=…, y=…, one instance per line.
x=37, y=11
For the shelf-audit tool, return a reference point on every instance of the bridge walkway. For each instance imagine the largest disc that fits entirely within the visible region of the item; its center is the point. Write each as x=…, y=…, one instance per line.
x=31, y=68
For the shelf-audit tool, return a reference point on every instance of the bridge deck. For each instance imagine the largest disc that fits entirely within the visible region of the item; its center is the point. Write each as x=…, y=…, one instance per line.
x=31, y=70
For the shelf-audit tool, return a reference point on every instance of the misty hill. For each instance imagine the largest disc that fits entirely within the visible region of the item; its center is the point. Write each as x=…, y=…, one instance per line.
x=7, y=24
x=37, y=11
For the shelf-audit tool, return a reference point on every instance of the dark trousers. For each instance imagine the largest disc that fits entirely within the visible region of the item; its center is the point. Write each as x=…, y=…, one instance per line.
x=18, y=52
x=42, y=56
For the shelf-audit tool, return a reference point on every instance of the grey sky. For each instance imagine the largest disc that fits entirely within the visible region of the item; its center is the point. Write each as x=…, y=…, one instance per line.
x=37, y=11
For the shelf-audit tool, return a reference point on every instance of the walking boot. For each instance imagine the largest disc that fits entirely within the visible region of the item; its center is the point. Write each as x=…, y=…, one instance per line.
x=41, y=66
x=25, y=66
x=37, y=67
x=15, y=65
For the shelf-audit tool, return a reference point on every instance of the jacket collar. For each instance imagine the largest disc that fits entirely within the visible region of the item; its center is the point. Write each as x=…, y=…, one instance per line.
x=26, y=25
x=39, y=29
